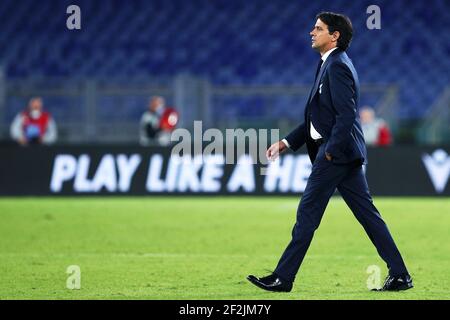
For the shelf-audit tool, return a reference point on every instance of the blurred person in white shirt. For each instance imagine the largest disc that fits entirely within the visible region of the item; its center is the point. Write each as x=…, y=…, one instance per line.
x=34, y=125
x=376, y=130
x=157, y=123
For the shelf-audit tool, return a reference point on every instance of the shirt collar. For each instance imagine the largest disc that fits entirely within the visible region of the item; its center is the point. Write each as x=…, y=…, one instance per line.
x=326, y=54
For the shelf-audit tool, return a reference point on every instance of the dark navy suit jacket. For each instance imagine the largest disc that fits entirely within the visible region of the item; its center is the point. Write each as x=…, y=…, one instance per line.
x=332, y=108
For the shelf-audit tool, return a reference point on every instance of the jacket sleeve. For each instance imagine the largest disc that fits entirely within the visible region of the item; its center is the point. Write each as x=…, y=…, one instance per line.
x=343, y=99
x=16, y=130
x=297, y=137
x=51, y=134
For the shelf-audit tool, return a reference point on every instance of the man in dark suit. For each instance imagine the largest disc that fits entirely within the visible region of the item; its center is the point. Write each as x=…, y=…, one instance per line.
x=335, y=142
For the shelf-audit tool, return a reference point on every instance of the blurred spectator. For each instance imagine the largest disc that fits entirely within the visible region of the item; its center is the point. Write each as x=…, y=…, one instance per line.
x=157, y=123
x=34, y=125
x=376, y=130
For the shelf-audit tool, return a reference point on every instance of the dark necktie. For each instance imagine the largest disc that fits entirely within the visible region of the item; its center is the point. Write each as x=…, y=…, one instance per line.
x=319, y=65
x=318, y=69
x=308, y=115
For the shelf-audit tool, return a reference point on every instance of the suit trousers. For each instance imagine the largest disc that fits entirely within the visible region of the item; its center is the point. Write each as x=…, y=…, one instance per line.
x=351, y=182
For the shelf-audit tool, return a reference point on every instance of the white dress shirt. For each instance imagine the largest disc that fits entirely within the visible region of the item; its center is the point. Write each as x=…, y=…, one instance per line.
x=313, y=132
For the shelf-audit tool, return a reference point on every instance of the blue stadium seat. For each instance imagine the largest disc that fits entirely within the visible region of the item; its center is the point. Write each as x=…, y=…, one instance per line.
x=227, y=41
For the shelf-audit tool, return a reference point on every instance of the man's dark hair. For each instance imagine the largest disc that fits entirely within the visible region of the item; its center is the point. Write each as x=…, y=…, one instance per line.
x=338, y=22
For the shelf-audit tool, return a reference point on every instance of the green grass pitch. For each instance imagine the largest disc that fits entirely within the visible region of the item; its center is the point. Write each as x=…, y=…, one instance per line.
x=203, y=248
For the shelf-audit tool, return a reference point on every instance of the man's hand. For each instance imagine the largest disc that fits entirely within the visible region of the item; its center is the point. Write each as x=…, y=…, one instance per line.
x=23, y=141
x=328, y=156
x=275, y=150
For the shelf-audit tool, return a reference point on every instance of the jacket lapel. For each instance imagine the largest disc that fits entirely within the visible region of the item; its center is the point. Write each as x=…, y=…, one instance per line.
x=321, y=72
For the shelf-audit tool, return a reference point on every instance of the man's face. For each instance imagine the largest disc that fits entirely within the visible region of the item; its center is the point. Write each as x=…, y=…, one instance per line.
x=367, y=115
x=320, y=37
x=35, y=107
x=35, y=104
x=156, y=103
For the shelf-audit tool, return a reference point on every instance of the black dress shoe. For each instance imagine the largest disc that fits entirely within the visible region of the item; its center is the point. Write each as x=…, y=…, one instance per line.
x=271, y=283
x=397, y=283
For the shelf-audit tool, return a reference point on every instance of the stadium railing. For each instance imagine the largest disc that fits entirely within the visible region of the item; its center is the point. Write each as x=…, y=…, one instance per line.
x=108, y=111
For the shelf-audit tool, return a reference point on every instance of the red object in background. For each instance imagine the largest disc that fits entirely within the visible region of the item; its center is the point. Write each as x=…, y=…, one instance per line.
x=41, y=122
x=384, y=136
x=169, y=119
